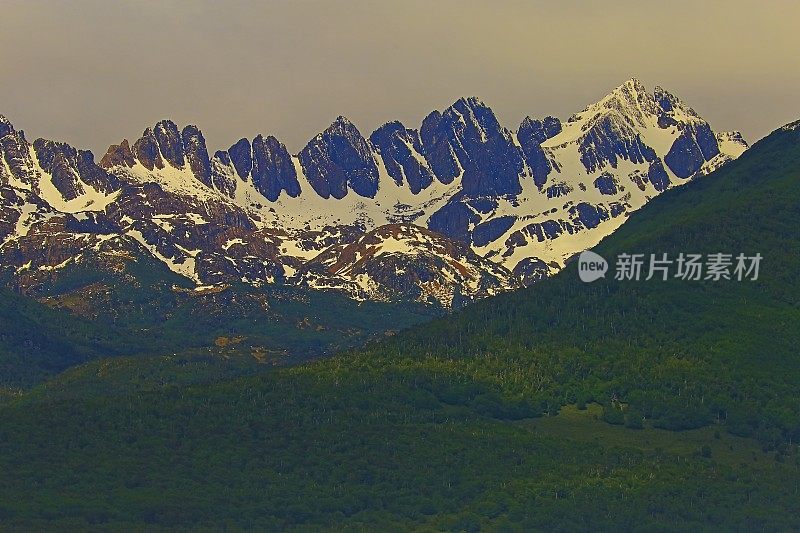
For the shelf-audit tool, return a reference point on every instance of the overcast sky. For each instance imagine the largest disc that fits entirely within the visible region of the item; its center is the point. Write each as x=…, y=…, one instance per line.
x=92, y=72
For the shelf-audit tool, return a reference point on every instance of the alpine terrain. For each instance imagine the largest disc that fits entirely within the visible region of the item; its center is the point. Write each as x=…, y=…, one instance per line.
x=458, y=209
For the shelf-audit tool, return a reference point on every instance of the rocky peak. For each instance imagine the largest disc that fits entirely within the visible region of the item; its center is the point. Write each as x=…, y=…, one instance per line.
x=118, y=155
x=626, y=108
x=343, y=126
x=162, y=145
x=631, y=90
x=612, y=128
x=169, y=142
x=665, y=99
x=147, y=152
x=71, y=169
x=340, y=158
x=265, y=162
x=401, y=149
x=673, y=107
x=632, y=85
x=273, y=169
x=193, y=149
x=471, y=117
x=540, y=130
x=436, y=148
x=59, y=160
x=630, y=101
x=485, y=150
x=159, y=144
x=15, y=150
x=242, y=157
x=5, y=126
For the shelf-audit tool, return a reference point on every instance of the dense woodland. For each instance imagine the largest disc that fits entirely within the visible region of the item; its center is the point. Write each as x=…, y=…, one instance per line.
x=650, y=405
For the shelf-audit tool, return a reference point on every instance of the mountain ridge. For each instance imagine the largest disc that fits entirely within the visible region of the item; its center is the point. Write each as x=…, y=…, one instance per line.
x=526, y=200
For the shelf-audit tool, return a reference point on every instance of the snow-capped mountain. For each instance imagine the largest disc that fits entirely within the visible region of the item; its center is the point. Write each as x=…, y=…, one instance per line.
x=458, y=209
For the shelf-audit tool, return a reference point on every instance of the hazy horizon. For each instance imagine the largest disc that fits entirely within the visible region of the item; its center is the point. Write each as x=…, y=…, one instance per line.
x=92, y=74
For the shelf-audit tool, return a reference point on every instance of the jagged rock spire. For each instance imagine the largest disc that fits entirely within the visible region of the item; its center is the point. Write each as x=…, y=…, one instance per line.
x=340, y=159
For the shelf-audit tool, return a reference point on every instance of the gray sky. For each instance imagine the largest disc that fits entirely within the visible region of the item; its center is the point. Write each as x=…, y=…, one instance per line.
x=92, y=72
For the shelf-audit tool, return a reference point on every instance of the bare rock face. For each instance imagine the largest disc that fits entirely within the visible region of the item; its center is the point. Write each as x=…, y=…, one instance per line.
x=264, y=162
x=436, y=147
x=531, y=134
x=399, y=148
x=71, y=169
x=691, y=150
x=491, y=163
x=241, y=156
x=338, y=160
x=118, y=155
x=193, y=149
x=147, y=152
x=221, y=178
x=170, y=142
x=273, y=169
x=5, y=126
x=16, y=154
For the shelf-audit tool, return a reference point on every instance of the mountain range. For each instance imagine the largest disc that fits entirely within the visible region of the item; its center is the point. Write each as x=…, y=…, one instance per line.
x=659, y=405
x=456, y=210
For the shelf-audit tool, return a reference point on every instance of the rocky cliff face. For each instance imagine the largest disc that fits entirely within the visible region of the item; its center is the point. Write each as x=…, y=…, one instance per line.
x=339, y=160
x=399, y=148
x=530, y=135
x=459, y=209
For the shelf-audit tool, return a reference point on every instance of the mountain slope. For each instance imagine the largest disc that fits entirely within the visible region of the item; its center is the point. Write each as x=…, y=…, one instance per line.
x=409, y=260
x=683, y=353
x=124, y=302
x=465, y=423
